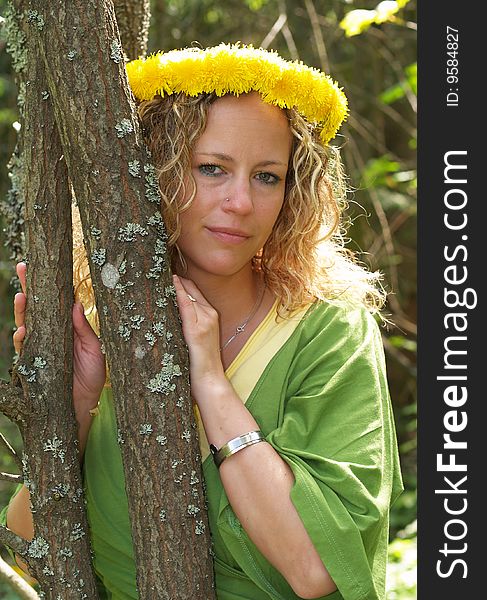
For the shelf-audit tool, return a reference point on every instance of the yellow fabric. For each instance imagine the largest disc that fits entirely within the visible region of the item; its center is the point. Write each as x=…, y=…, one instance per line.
x=247, y=367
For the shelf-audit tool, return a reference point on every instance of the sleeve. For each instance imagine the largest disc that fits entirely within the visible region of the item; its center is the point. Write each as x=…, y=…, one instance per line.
x=337, y=434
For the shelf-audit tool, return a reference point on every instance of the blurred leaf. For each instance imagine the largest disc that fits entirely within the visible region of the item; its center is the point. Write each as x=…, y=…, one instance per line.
x=410, y=445
x=255, y=5
x=402, y=176
x=7, y=116
x=409, y=409
x=392, y=200
x=398, y=91
x=392, y=94
x=359, y=20
x=213, y=16
x=404, y=509
x=400, y=341
x=376, y=170
x=402, y=568
x=412, y=76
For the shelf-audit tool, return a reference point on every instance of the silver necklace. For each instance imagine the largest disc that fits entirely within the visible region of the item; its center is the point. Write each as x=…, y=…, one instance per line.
x=240, y=329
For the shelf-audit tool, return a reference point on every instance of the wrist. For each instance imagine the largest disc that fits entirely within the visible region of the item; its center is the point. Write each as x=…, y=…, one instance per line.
x=84, y=404
x=235, y=445
x=84, y=419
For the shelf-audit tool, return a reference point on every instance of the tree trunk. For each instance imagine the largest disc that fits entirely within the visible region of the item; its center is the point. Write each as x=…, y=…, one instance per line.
x=12, y=207
x=59, y=554
x=133, y=18
x=116, y=190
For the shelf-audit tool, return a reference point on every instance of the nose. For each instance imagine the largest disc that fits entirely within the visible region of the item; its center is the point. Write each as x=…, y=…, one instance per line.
x=238, y=198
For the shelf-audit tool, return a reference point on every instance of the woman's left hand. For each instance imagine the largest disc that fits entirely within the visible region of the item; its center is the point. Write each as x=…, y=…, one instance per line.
x=201, y=331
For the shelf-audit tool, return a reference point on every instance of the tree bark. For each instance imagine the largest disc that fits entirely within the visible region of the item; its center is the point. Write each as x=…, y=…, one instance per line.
x=118, y=198
x=12, y=206
x=133, y=18
x=59, y=554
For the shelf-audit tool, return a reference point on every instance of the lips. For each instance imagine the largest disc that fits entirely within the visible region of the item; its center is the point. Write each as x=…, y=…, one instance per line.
x=228, y=234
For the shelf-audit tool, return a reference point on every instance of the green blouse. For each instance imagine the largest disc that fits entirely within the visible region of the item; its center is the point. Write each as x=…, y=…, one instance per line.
x=323, y=403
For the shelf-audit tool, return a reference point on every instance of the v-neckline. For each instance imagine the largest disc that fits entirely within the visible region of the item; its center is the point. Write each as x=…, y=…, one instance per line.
x=243, y=350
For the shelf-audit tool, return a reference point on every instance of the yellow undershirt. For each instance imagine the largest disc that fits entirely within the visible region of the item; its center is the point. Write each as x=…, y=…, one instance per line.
x=249, y=364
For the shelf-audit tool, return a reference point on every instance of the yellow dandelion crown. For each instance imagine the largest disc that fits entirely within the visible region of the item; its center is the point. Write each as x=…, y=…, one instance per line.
x=237, y=69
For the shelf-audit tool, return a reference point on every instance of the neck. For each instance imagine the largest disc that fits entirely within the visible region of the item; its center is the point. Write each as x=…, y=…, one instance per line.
x=233, y=297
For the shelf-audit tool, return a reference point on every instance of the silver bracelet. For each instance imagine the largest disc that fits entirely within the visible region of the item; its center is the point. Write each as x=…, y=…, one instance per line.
x=235, y=445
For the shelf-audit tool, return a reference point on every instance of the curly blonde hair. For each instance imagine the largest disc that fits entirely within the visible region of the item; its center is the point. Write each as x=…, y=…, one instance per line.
x=305, y=256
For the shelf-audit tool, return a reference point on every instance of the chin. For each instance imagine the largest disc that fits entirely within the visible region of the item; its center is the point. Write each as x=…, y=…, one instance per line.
x=221, y=268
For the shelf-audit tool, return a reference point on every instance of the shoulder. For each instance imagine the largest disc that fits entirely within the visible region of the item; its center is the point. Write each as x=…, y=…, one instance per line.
x=344, y=320
x=332, y=335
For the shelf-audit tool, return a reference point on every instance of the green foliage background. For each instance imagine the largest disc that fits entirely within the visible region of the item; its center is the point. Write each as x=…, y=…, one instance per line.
x=377, y=70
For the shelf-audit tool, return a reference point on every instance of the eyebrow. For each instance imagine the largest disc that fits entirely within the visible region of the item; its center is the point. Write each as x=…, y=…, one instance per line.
x=226, y=157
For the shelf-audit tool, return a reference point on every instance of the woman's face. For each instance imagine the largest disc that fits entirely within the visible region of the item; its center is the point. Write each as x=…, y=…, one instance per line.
x=239, y=164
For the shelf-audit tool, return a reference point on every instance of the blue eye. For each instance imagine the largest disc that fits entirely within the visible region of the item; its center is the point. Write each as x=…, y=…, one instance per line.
x=268, y=178
x=210, y=170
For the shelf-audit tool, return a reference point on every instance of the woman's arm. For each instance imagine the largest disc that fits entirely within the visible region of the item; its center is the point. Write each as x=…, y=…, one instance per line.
x=257, y=481
x=258, y=485
x=19, y=519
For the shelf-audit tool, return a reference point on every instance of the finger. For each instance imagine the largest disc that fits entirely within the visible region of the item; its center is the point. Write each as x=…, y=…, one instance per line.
x=20, y=301
x=18, y=338
x=183, y=297
x=82, y=326
x=21, y=269
x=192, y=289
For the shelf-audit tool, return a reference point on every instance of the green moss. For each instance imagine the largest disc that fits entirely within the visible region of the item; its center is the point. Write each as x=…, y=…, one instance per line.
x=99, y=256
x=124, y=128
x=34, y=18
x=38, y=548
x=16, y=39
x=130, y=231
x=151, y=184
x=134, y=168
x=116, y=53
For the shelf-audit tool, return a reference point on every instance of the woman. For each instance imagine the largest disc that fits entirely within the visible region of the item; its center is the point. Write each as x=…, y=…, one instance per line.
x=286, y=362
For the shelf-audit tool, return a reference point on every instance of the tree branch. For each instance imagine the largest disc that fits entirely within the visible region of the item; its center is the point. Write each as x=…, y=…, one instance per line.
x=8, y=448
x=386, y=232
x=291, y=44
x=11, y=477
x=14, y=541
x=12, y=401
x=23, y=590
x=396, y=66
x=275, y=29
x=318, y=36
